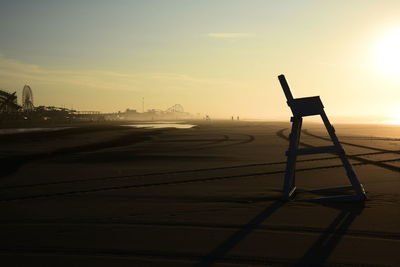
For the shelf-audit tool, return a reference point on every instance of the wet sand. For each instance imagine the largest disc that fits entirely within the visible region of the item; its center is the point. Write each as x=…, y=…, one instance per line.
x=110, y=195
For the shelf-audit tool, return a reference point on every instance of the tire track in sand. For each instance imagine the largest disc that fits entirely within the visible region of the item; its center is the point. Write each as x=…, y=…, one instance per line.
x=351, y=144
x=176, y=182
x=163, y=256
x=174, y=172
x=206, y=225
x=379, y=163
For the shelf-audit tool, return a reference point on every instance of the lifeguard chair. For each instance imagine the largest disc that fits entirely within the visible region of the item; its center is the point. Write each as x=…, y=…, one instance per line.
x=311, y=106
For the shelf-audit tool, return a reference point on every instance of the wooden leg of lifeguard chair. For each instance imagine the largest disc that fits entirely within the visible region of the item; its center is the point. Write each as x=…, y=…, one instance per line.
x=358, y=188
x=289, y=186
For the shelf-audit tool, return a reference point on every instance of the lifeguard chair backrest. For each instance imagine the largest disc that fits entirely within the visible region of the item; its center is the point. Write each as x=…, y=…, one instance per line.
x=286, y=89
x=305, y=106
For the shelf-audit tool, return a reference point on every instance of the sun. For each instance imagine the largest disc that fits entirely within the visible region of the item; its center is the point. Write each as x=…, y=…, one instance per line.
x=387, y=52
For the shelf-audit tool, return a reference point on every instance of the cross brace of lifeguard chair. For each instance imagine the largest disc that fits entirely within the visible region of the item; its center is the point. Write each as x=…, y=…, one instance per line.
x=310, y=106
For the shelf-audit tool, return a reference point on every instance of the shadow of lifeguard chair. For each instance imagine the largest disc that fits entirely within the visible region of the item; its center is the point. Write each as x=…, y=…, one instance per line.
x=310, y=106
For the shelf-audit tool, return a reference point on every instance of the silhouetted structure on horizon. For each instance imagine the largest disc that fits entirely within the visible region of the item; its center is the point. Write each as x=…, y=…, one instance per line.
x=11, y=112
x=27, y=99
x=8, y=102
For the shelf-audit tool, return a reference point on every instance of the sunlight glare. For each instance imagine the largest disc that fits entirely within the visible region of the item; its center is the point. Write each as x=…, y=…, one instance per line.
x=394, y=117
x=387, y=53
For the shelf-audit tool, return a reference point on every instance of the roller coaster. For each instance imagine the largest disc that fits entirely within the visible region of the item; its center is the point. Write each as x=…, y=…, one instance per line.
x=177, y=108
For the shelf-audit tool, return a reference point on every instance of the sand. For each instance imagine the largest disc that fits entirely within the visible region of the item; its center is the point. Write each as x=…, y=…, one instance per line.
x=109, y=195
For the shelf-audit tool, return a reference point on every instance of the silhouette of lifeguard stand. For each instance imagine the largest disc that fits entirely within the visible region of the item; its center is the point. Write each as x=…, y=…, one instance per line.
x=310, y=106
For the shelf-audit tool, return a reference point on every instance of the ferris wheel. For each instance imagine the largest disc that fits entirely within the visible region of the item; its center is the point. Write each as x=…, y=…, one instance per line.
x=27, y=98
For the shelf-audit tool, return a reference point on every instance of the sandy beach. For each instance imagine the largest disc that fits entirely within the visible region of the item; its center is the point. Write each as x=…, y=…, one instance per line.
x=113, y=195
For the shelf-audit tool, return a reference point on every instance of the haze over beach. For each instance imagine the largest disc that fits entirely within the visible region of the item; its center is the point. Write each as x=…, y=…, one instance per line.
x=190, y=133
x=107, y=56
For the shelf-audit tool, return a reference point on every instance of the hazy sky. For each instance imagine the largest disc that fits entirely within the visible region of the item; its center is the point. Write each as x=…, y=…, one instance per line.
x=214, y=57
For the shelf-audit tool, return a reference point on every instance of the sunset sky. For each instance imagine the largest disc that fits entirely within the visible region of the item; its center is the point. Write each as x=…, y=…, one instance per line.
x=216, y=57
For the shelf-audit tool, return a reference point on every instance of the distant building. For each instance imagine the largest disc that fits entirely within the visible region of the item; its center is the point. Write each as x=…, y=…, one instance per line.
x=131, y=111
